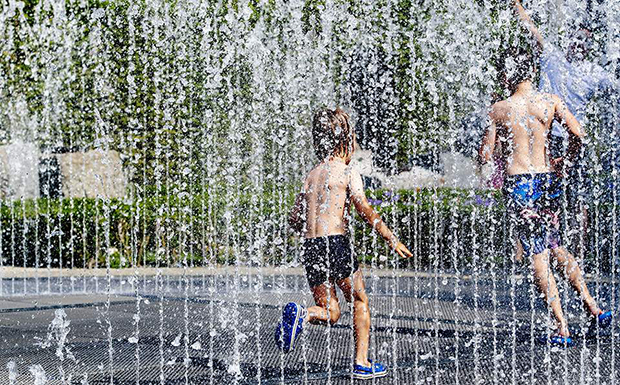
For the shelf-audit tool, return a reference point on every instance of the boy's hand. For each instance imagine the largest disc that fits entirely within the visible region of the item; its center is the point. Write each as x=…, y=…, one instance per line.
x=402, y=250
x=560, y=166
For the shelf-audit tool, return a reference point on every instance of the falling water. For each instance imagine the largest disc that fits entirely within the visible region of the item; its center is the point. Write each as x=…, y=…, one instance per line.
x=39, y=375
x=12, y=369
x=150, y=153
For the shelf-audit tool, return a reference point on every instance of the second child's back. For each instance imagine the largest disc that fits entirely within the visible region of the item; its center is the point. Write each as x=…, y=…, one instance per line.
x=521, y=124
x=327, y=199
x=524, y=120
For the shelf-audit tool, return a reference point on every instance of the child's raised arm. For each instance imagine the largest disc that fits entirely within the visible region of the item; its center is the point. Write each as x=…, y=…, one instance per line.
x=529, y=24
x=358, y=197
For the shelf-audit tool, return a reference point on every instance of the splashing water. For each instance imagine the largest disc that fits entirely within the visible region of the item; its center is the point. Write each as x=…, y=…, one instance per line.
x=158, y=147
x=39, y=374
x=11, y=366
x=57, y=334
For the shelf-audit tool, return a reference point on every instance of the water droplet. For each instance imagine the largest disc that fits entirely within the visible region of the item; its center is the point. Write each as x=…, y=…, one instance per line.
x=177, y=340
x=197, y=345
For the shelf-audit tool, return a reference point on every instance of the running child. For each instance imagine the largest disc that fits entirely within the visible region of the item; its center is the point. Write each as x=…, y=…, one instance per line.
x=321, y=213
x=521, y=128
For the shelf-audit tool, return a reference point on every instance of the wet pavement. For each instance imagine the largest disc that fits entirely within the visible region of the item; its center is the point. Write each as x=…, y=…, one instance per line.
x=480, y=328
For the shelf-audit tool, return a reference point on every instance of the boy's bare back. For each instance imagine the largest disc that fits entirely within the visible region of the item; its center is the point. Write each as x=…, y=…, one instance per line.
x=521, y=126
x=329, y=190
x=326, y=199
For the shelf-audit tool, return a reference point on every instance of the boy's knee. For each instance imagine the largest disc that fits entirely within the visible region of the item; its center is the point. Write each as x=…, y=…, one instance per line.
x=540, y=271
x=540, y=268
x=360, y=297
x=540, y=264
x=334, y=315
x=540, y=260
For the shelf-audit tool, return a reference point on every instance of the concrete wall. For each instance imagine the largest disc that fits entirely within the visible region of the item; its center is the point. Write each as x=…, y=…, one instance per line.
x=89, y=174
x=19, y=171
x=458, y=171
x=92, y=174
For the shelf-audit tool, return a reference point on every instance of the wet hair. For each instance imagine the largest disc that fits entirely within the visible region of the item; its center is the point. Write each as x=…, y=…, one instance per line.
x=332, y=133
x=518, y=64
x=583, y=37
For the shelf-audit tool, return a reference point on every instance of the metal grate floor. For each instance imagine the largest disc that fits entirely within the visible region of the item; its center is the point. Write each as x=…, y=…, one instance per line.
x=424, y=334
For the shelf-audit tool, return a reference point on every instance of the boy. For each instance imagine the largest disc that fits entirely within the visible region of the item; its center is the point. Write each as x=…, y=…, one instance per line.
x=521, y=126
x=321, y=213
x=576, y=80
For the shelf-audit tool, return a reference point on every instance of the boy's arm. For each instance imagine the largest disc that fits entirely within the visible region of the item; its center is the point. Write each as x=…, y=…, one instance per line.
x=297, y=215
x=575, y=133
x=371, y=217
x=529, y=24
x=487, y=147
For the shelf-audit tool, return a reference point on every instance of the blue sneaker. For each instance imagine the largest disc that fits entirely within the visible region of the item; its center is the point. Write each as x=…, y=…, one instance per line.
x=557, y=340
x=603, y=321
x=375, y=370
x=291, y=326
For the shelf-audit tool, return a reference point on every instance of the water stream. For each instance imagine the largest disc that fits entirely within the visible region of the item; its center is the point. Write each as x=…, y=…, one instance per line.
x=150, y=153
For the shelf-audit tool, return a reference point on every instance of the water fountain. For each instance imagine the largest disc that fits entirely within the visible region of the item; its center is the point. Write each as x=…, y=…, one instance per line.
x=169, y=261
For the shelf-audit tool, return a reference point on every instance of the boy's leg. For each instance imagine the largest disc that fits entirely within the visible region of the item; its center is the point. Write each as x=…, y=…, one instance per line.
x=354, y=290
x=567, y=265
x=547, y=286
x=519, y=251
x=327, y=307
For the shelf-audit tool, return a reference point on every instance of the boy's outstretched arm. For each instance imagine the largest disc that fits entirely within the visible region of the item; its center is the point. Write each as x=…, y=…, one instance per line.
x=297, y=216
x=529, y=24
x=371, y=217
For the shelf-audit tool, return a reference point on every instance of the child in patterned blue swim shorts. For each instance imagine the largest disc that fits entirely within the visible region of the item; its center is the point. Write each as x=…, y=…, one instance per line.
x=519, y=129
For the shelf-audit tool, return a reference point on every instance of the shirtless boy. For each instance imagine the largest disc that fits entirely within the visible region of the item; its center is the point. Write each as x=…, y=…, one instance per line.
x=575, y=79
x=521, y=128
x=321, y=213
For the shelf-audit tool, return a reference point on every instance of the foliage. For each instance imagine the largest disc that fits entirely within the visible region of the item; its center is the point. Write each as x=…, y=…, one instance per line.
x=146, y=78
x=209, y=106
x=447, y=228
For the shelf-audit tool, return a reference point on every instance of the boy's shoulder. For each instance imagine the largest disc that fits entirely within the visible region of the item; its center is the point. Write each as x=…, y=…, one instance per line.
x=499, y=109
x=313, y=170
x=335, y=169
x=549, y=100
x=352, y=169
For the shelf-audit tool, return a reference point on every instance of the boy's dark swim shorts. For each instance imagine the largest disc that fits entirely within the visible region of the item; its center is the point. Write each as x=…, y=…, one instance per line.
x=534, y=205
x=327, y=258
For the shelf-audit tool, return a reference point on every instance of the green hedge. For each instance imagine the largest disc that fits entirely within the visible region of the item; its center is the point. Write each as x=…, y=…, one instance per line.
x=160, y=230
x=165, y=230
x=442, y=226
x=445, y=228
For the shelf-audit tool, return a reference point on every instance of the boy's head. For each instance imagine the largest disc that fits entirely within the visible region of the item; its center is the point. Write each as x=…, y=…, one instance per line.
x=332, y=134
x=581, y=44
x=517, y=66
